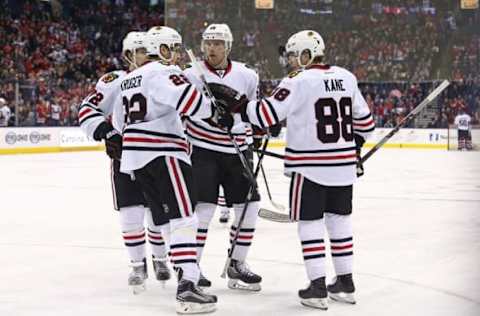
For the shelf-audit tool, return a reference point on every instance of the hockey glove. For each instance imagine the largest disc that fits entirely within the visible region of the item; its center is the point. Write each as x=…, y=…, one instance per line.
x=359, y=141
x=113, y=144
x=225, y=121
x=229, y=99
x=113, y=139
x=275, y=129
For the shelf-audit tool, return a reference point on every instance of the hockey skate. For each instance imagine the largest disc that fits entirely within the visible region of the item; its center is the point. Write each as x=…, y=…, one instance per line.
x=203, y=281
x=241, y=278
x=192, y=300
x=315, y=295
x=224, y=215
x=137, y=277
x=342, y=289
x=160, y=267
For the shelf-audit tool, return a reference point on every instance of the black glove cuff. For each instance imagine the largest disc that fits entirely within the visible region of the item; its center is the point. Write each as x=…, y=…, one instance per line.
x=102, y=130
x=244, y=116
x=359, y=141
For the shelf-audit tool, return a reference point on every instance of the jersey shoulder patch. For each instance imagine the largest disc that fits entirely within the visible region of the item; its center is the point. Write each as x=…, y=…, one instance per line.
x=111, y=76
x=294, y=73
x=186, y=66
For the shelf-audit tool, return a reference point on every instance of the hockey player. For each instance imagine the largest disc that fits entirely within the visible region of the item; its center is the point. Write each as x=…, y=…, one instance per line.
x=327, y=119
x=156, y=151
x=5, y=113
x=215, y=160
x=463, y=121
x=94, y=117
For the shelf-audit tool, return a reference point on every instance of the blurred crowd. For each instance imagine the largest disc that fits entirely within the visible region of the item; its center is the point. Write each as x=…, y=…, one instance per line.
x=56, y=50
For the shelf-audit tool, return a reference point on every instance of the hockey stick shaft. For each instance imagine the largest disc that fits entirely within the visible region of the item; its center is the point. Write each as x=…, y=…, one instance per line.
x=244, y=211
x=276, y=205
x=406, y=119
x=199, y=71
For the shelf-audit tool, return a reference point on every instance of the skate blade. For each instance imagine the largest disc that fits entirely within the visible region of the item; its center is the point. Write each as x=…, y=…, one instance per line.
x=343, y=297
x=137, y=289
x=239, y=285
x=319, y=303
x=195, y=308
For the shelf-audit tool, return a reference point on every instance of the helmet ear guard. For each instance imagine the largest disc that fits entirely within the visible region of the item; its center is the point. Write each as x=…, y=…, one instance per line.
x=303, y=41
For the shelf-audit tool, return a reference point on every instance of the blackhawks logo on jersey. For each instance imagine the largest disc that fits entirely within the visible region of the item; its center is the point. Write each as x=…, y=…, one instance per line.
x=109, y=77
x=294, y=73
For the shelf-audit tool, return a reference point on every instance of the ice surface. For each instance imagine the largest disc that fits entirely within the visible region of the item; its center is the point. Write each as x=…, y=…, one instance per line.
x=417, y=241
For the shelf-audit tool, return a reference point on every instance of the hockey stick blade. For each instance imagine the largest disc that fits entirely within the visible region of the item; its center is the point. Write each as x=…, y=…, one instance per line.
x=278, y=206
x=274, y=216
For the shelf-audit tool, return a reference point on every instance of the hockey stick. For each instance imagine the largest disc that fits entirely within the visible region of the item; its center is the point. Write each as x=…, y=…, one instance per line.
x=407, y=119
x=270, y=153
x=276, y=205
x=285, y=218
x=250, y=175
x=244, y=211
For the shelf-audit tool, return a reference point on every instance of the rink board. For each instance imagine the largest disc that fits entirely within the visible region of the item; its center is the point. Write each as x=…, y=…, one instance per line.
x=59, y=139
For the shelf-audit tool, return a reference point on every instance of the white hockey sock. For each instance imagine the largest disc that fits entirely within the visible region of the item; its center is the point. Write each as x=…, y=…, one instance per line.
x=133, y=231
x=247, y=230
x=155, y=237
x=204, y=213
x=311, y=235
x=183, y=247
x=341, y=241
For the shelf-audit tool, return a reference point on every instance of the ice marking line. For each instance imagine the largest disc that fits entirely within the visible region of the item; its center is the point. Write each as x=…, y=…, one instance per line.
x=222, y=256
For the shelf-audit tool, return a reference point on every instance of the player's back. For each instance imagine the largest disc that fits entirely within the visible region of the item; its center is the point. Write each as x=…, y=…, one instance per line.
x=320, y=128
x=155, y=96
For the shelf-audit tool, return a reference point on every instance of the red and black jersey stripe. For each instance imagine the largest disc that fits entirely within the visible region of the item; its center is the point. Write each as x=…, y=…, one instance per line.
x=183, y=253
x=364, y=124
x=341, y=247
x=87, y=112
x=142, y=140
x=320, y=158
x=245, y=235
x=313, y=249
x=266, y=114
x=215, y=137
x=190, y=101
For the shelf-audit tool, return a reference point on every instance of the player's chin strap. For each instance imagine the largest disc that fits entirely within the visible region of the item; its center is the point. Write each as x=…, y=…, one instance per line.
x=221, y=110
x=285, y=218
x=244, y=211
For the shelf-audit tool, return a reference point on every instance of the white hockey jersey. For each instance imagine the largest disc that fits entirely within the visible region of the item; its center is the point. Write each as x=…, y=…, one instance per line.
x=462, y=121
x=201, y=133
x=5, y=114
x=105, y=103
x=156, y=96
x=324, y=108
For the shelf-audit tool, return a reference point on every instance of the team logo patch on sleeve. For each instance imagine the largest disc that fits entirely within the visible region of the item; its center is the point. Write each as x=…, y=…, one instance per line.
x=109, y=77
x=294, y=73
